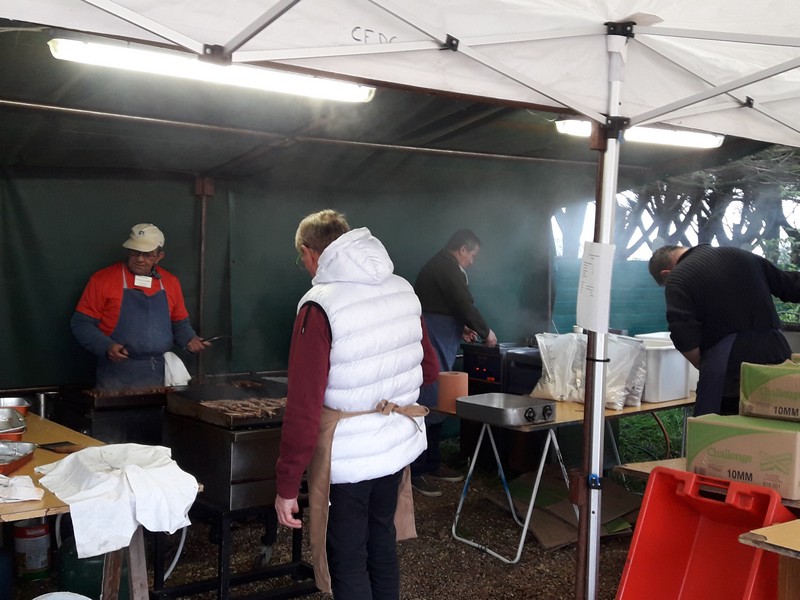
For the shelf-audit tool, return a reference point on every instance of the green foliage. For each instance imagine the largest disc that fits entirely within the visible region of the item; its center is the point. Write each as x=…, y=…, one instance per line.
x=784, y=253
x=641, y=437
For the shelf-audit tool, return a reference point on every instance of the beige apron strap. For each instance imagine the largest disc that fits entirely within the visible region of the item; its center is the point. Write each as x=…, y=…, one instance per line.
x=404, y=522
x=319, y=482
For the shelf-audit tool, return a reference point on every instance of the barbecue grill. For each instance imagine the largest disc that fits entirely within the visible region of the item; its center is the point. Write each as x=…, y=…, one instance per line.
x=227, y=435
x=112, y=417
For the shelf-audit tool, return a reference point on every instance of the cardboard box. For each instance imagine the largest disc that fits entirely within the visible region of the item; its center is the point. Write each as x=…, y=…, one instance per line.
x=771, y=391
x=748, y=449
x=783, y=539
x=554, y=523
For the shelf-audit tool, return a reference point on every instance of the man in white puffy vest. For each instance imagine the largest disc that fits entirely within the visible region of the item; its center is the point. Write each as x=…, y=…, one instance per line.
x=358, y=357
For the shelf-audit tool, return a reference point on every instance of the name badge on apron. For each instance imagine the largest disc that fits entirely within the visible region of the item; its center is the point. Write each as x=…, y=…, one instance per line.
x=143, y=281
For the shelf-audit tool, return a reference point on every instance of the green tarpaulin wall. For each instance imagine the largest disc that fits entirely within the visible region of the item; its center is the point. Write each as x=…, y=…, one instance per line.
x=58, y=230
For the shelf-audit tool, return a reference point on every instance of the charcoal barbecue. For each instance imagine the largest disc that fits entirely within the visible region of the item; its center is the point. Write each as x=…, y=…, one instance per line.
x=227, y=435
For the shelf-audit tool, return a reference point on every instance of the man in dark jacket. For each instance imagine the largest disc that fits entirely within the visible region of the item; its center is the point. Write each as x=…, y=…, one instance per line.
x=721, y=313
x=450, y=317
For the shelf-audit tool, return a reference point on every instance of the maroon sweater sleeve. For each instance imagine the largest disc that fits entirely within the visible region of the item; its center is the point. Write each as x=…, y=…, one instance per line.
x=430, y=362
x=309, y=362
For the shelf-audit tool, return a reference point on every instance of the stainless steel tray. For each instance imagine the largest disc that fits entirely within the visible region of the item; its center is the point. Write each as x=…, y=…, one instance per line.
x=14, y=454
x=11, y=421
x=505, y=410
x=19, y=404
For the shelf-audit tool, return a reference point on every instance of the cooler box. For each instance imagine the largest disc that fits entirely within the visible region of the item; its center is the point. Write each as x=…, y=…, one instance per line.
x=686, y=542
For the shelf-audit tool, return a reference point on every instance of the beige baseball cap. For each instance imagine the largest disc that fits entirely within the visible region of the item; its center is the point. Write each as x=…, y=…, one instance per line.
x=144, y=237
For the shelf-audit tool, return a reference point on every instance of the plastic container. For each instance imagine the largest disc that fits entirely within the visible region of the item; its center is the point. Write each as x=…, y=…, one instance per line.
x=667, y=371
x=686, y=545
x=694, y=374
x=84, y=575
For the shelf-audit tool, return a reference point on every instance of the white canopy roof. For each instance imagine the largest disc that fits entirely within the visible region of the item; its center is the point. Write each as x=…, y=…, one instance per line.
x=723, y=66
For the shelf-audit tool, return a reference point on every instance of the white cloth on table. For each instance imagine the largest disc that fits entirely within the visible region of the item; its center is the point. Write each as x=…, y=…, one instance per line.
x=113, y=489
x=19, y=489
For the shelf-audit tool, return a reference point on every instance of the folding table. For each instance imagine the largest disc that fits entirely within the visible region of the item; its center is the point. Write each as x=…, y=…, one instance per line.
x=567, y=413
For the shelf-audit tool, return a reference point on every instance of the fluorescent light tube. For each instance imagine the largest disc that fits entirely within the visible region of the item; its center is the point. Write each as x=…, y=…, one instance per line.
x=190, y=67
x=674, y=137
x=574, y=127
x=649, y=135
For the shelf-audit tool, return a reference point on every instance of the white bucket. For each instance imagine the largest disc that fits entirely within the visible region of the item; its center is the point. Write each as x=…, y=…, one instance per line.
x=62, y=596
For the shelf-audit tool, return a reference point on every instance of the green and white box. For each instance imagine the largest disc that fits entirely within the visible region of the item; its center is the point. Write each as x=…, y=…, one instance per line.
x=749, y=449
x=771, y=391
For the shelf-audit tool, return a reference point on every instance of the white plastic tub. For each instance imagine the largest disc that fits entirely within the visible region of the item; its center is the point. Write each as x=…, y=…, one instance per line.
x=667, y=371
x=694, y=374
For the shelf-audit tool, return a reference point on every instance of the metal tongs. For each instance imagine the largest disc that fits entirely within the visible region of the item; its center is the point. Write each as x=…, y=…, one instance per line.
x=216, y=337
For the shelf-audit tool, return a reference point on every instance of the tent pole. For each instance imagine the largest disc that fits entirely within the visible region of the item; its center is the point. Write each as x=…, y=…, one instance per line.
x=597, y=347
x=580, y=494
x=203, y=189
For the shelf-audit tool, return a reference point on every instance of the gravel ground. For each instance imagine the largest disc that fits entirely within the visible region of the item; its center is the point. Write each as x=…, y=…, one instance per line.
x=433, y=566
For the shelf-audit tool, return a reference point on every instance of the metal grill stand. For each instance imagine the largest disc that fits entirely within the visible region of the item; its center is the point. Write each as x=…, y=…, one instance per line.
x=301, y=572
x=486, y=429
x=232, y=454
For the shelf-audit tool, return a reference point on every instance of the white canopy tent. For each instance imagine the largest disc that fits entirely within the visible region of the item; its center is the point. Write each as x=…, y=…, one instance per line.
x=728, y=67
x=723, y=66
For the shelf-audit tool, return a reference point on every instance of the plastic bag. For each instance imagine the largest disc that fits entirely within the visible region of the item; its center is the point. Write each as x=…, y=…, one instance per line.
x=564, y=365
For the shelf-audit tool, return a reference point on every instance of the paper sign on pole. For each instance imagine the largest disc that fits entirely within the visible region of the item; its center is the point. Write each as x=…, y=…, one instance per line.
x=594, y=288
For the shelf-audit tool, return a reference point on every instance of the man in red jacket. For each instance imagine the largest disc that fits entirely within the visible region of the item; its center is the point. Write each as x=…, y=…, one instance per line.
x=131, y=313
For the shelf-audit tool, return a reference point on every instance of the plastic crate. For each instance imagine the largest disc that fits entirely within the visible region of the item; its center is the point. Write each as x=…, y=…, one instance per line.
x=686, y=542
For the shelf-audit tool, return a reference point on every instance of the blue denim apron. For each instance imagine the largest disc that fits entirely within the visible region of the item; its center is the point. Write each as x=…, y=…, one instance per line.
x=145, y=329
x=711, y=384
x=445, y=333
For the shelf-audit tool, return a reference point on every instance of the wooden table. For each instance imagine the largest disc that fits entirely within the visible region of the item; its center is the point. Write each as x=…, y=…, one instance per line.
x=783, y=539
x=643, y=470
x=43, y=431
x=567, y=413
x=571, y=413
